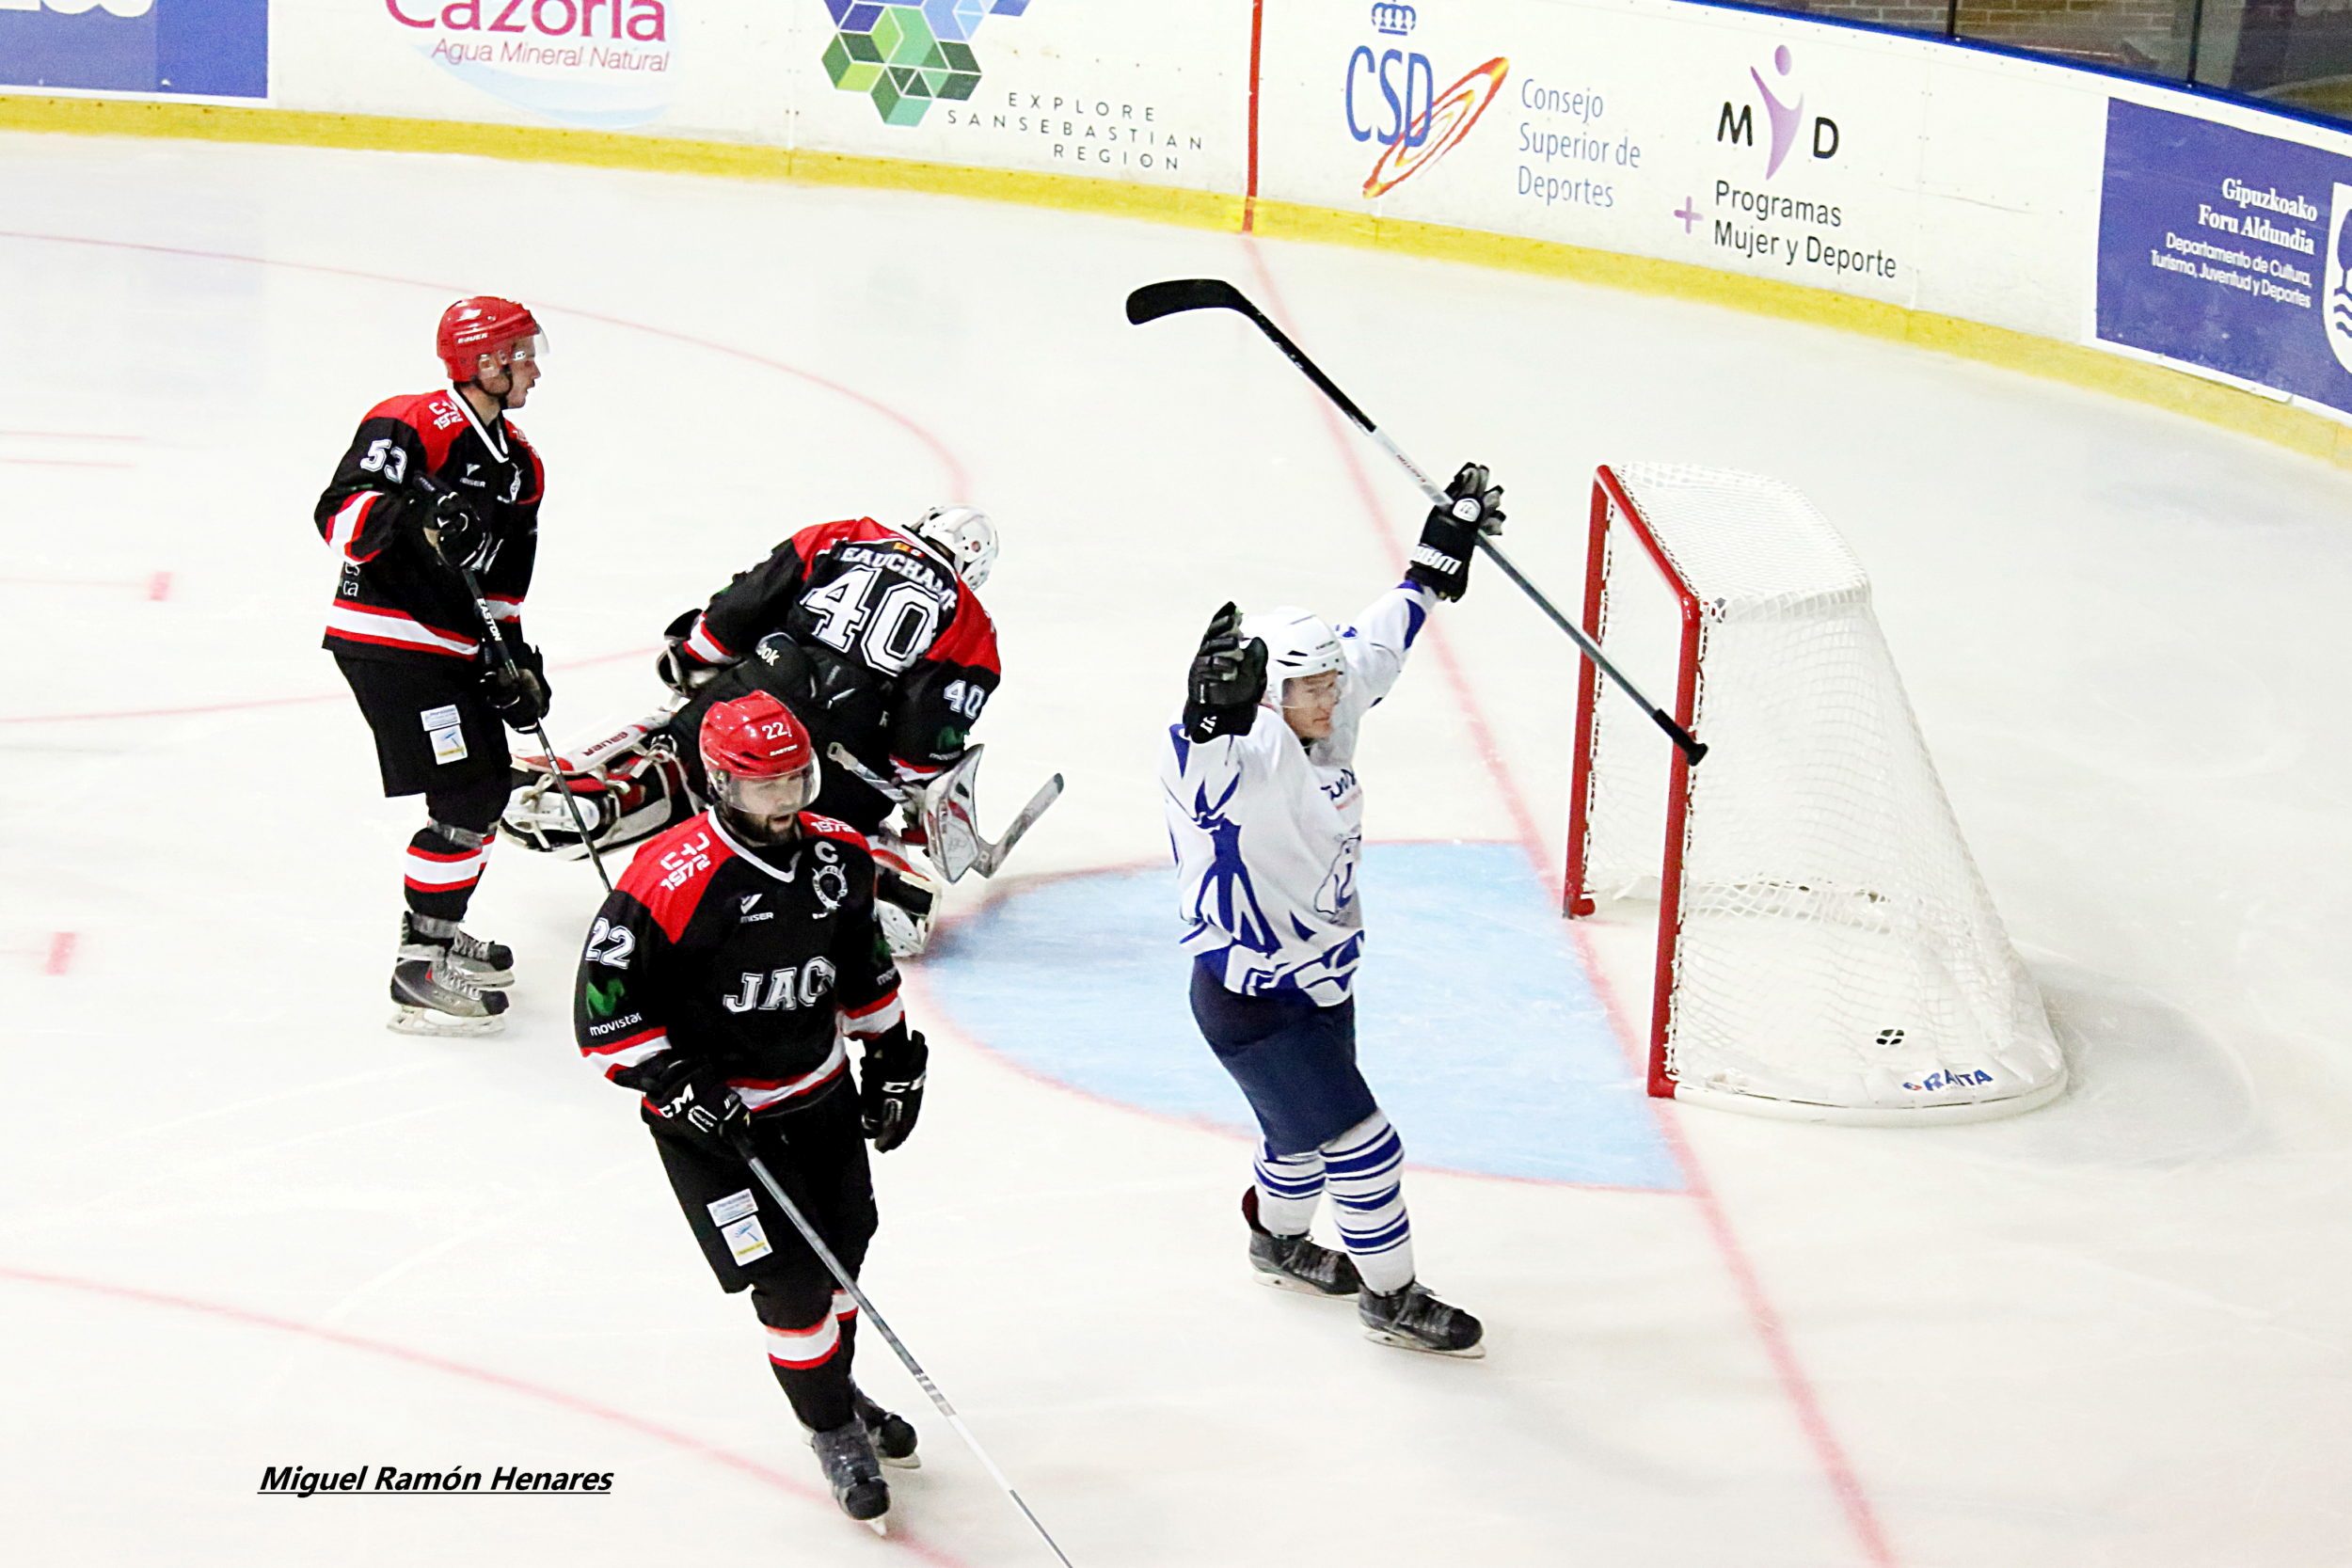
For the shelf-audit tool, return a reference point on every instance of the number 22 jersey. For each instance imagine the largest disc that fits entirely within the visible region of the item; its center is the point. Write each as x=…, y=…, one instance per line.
x=750, y=960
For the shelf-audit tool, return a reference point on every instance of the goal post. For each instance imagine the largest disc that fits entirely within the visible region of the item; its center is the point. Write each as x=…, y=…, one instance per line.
x=1825, y=948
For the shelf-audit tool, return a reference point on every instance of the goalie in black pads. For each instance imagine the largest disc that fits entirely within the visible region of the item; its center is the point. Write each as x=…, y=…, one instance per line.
x=876, y=637
x=722, y=981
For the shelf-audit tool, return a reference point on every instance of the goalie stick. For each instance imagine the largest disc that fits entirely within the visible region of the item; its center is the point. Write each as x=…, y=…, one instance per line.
x=1155, y=300
x=986, y=857
x=848, y=1282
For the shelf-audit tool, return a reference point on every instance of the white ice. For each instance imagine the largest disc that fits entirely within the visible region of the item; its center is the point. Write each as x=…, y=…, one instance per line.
x=243, y=1225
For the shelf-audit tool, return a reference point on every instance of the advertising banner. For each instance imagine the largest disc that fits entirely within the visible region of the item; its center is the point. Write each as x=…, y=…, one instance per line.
x=594, y=64
x=1059, y=87
x=191, y=48
x=1149, y=95
x=1752, y=145
x=2227, y=250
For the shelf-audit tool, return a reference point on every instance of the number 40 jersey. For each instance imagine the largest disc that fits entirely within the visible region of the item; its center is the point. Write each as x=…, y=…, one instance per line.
x=875, y=598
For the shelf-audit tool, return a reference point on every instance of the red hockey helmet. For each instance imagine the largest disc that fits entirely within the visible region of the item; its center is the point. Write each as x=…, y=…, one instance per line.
x=480, y=324
x=760, y=762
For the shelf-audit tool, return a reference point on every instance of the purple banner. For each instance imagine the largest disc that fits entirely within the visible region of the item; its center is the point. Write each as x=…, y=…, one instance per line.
x=2225, y=249
x=204, y=48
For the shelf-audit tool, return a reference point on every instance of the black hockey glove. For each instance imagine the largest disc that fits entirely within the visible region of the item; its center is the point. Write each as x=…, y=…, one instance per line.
x=890, y=1097
x=522, y=697
x=451, y=524
x=1441, y=559
x=680, y=671
x=695, y=1102
x=1228, y=677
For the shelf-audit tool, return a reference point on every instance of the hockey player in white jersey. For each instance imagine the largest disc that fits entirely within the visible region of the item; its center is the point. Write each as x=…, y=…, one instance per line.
x=1266, y=818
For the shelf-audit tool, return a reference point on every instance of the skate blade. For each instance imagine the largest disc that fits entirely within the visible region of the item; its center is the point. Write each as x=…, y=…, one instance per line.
x=1381, y=1337
x=879, y=1525
x=912, y=1462
x=425, y=1020
x=1300, y=1288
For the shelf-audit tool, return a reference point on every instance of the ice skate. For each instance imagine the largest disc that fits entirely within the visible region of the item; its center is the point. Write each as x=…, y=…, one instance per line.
x=433, y=996
x=485, y=962
x=1295, y=1262
x=1415, y=1320
x=846, y=1454
x=894, y=1435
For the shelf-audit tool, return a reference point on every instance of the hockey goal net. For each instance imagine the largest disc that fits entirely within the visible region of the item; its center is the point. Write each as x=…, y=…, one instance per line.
x=1825, y=947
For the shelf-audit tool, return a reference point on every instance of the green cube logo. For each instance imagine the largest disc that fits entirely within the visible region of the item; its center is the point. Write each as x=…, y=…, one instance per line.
x=907, y=54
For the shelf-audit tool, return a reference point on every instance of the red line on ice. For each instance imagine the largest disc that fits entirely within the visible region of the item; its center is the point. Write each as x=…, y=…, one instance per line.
x=243, y=703
x=958, y=481
x=1811, y=1416
x=69, y=462
x=575, y=1403
x=61, y=945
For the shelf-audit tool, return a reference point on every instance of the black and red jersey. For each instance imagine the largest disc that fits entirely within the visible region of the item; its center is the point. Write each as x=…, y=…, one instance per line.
x=397, y=598
x=877, y=597
x=753, y=961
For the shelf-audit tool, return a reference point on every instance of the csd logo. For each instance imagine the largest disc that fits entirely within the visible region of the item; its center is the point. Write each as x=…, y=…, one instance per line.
x=125, y=9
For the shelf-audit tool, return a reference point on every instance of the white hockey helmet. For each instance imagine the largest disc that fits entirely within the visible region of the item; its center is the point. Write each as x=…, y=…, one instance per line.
x=963, y=538
x=1299, y=643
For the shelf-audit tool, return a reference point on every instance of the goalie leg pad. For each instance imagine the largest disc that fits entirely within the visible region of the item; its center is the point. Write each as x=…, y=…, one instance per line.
x=623, y=802
x=906, y=895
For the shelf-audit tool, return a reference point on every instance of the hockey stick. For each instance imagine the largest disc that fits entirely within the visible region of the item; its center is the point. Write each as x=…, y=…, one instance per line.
x=514, y=676
x=988, y=856
x=843, y=1279
x=1154, y=300
x=992, y=855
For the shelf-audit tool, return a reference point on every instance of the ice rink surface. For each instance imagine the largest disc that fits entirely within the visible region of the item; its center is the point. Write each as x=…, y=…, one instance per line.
x=241, y=1225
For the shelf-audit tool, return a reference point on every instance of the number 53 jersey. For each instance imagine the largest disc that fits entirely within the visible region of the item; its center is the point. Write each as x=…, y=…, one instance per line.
x=754, y=961
x=877, y=597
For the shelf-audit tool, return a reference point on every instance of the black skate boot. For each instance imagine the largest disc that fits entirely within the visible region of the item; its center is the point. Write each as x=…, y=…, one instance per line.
x=846, y=1454
x=1415, y=1320
x=894, y=1435
x=1294, y=1262
x=431, y=995
x=479, y=960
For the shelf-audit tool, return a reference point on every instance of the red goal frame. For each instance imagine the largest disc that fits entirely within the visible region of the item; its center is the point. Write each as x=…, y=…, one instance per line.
x=1609, y=499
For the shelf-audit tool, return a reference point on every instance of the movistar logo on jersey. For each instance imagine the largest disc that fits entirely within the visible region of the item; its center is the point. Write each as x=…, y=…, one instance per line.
x=603, y=997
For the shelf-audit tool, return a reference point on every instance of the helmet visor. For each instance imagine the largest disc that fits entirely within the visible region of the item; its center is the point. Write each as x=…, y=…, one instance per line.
x=521, y=351
x=767, y=796
x=1313, y=691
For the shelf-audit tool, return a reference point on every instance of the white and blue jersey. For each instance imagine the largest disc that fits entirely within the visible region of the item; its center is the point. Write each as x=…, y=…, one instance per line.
x=1266, y=831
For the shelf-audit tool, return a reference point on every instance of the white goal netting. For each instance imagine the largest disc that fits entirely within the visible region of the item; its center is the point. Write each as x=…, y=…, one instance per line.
x=1826, y=947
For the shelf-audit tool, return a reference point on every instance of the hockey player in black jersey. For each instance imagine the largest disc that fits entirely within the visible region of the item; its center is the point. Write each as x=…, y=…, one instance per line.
x=874, y=636
x=720, y=982
x=429, y=479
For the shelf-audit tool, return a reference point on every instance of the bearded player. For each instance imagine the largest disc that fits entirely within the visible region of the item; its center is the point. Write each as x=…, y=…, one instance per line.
x=721, y=982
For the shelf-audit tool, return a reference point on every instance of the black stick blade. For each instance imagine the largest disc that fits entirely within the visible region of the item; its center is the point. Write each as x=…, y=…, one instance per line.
x=1154, y=300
